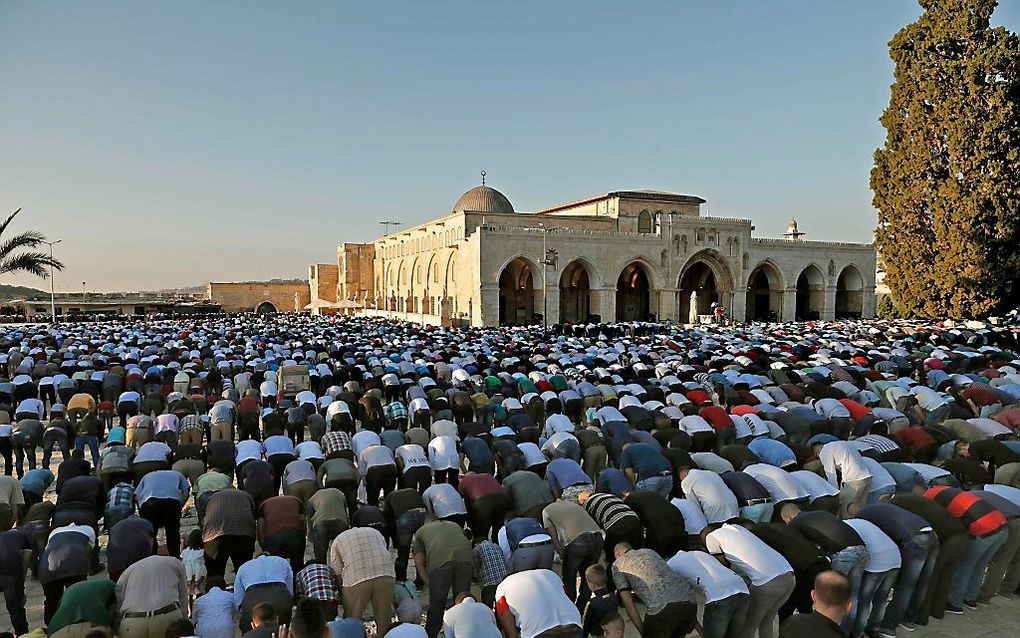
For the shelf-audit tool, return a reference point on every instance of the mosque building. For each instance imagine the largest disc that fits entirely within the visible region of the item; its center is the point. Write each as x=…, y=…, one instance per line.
x=620, y=256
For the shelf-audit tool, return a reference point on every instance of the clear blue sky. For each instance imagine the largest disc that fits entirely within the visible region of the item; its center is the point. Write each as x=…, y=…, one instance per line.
x=172, y=143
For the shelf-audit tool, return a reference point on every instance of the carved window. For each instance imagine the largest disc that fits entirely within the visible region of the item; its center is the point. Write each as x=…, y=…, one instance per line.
x=644, y=222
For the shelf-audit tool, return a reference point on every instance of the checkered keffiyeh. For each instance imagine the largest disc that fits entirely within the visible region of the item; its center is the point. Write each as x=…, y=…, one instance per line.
x=335, y=442
x=490, y=565
x=317, y=581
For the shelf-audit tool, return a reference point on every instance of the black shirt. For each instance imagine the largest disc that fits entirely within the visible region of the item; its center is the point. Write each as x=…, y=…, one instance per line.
x=189, y=451
x=70, y=469
x=968, y=471
x=745, y=487
x=221, y=454
x=897, y=523
x=813, y=625
x=84, y=489
x=658, y=515
x=399, y=502
x=827, y=531
x=66, y=555
x=945, y=524
x=740, y=456
x=790, y=543
x=12, y=543
x=602, y=603
x=130, y=542
x=993, y=451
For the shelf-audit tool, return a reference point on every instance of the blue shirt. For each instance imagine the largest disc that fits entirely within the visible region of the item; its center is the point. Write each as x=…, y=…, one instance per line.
x=278, y=444
x=260, y=571
x=116, y=435
x=163, y=484
x=347, y=628
x=562, y=473
x=613, y=481
x=36, y=481
x=645, y=459
x=772, y=452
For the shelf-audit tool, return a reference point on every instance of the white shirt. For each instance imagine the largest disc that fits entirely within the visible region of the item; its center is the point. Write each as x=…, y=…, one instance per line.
x=558, y=423
x=472, y=619
x=412, y=456
x=748, y=554
x=881, y=479
x=779, y=483
x=883, y=552
x=363, y=440
x=816, y=486
x=694, y=518
x=710, y=492
x=442, y=500
x=309, y=450
x=708, y=574
x=535, y=598
x=214, y=614
x=841, y=457
x=1011, y=494
x=404, y=630
x=694, y=423
x=443, y=453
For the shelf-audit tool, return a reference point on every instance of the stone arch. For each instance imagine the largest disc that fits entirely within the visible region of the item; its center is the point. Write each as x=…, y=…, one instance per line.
x=706, y=273
x=576, y=284
x=764, y=292
x=518, y=291
x=850, y=293
x=265, y=308
x=634, y=288
x=810, y=293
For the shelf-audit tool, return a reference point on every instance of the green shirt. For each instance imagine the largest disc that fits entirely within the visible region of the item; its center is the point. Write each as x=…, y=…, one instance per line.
x=442, y=542
x=327, y=504
x=87, y=601
x=211, y=482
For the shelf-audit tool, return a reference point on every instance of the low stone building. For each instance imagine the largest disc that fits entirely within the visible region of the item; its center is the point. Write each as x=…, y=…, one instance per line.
x=622, y=255
x=260, y=296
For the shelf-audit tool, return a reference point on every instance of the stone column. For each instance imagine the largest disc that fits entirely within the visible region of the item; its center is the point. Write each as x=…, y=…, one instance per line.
x=603, y=302
x=486, y=313
x=737, y=306
x=789, y=312
x=667, y=305
x=829, y=311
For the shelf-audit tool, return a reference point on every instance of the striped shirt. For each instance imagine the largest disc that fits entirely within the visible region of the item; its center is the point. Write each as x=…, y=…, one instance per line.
x=608, y=510
x=980, y=518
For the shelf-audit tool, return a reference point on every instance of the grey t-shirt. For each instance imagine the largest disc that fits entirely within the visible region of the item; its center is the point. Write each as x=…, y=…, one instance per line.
x=643, y=572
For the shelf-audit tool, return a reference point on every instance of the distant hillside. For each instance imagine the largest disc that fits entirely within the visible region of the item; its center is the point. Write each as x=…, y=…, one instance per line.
x=21, y=292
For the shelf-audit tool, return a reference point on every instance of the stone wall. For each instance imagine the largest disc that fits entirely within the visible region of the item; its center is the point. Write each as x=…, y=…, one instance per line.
x=249, y=296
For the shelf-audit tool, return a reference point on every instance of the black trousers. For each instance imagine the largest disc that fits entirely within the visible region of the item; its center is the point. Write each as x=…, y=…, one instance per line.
x=58, y=440
x=419, y=478
x=380, y=478
x=578, y=555
x=451, y=476
x=323, y=534
x=6, y=450
x=676, y=620
x=450, y=578
x=289, y=544
x=238, y=549
x=165, y=513
x=53, y=592
x=403, y=533
x=279, y=462
x=486, y=514
x=13, y=587
x=628, y=530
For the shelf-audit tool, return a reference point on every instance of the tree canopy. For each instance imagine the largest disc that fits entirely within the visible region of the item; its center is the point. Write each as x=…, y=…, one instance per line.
x=946, y=182
x=16, y=254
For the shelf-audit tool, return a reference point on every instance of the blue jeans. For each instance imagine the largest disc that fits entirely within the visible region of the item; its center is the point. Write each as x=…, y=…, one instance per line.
x=93, y=443
x=851, y=562
x=918, y=563
x=971, y=570
x=725, y=618
x=759, y=513
x=662, y=485
x=874, y=598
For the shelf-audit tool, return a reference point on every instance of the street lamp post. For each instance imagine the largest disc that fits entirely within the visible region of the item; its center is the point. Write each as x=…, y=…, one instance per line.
x=53, y=304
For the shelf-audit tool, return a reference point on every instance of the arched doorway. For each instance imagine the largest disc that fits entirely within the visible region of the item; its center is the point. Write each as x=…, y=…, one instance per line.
x=265, y=308
x=810, y=294
x=849, y=294
x=764, y=294
x=516, y=293
x=575, y=293
x=633, y=294
x=700, y=278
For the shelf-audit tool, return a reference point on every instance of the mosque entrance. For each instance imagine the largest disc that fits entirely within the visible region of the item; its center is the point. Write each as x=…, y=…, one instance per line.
x=575, y=293
x=516, y=293
x=633, y=294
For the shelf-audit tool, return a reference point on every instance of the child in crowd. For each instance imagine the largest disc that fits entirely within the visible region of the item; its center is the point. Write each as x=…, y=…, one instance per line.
x=602, y=603
x=193, y=557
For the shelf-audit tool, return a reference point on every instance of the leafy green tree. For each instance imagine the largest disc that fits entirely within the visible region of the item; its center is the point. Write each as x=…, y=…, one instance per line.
x=947, y=181
x=16, y=254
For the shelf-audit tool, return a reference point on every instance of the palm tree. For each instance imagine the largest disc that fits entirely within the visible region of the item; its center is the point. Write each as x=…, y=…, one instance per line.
x=32, y=261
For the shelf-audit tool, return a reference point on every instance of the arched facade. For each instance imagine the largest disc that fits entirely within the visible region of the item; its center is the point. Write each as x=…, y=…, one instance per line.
x=704, y=279
x=633, y=293
x=575, y=292
x=810, y=294
x=517, y=303
x=266, y=307
x=849, y=293
x=764, y=295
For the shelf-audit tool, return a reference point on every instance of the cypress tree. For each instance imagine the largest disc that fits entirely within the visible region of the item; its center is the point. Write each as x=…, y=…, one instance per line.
x=947, y=181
